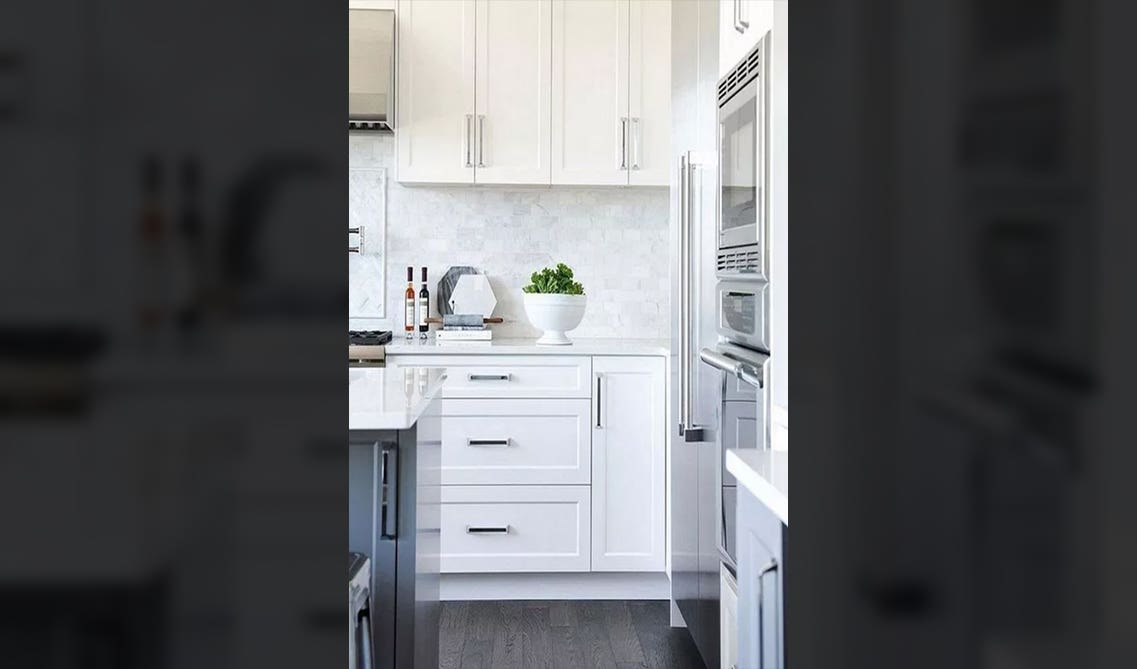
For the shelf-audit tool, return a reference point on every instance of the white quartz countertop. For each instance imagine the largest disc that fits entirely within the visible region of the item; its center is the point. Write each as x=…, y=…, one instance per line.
x=383, y=398
x=520, y=346
x=766, y=474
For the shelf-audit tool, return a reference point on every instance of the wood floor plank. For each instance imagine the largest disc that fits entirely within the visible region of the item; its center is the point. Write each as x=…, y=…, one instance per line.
x=536, y=644
x=566, y=650
x=664, y=646
x=482, y=619
x=561, y=614
x=622, y=633
x=507, y=637
x=592, y=638
x=452, y=634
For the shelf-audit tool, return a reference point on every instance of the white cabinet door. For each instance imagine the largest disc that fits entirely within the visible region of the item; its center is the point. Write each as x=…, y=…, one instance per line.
x=512, y=91
x=590, y=91
x=628, y=455
x=649, y=93
x=435, y=125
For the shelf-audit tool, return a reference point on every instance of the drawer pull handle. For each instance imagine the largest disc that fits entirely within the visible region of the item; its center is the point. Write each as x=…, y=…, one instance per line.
x=489, y=442
x=489, y=377
x=472, y=529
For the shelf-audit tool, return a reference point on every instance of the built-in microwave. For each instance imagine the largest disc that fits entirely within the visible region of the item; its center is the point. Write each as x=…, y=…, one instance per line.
x=744, y=212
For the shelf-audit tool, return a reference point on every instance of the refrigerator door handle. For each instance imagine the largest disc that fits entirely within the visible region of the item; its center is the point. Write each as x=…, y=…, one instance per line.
x=687, y=427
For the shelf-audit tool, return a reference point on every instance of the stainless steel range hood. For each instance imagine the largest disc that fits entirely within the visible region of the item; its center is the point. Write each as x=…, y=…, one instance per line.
x=371, y=69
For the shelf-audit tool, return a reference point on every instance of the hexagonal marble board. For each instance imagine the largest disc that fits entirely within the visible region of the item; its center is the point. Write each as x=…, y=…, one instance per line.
x=473, y=295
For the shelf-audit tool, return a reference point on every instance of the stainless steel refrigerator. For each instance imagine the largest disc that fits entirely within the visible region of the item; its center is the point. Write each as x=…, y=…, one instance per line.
x=696, y=388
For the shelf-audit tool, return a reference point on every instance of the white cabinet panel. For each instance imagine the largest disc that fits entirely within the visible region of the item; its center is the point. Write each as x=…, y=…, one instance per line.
x=512, y=91
x=517, y=442
x=481, y=376
x=590, y=91
x=649, y=97
x=628, y=458
x=434, y=131
x=741, y=24
x=514, y=529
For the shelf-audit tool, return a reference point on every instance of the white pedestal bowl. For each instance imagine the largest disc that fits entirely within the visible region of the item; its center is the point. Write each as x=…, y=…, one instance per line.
x=555, y=314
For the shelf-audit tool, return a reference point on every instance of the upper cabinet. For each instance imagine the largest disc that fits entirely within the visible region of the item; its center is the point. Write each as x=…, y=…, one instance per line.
x=435, y=100
x=611, y=92
x=741, y=24
x=541, y=92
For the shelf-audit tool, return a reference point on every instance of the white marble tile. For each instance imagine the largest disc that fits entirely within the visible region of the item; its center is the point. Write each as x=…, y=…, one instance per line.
x=615, y=238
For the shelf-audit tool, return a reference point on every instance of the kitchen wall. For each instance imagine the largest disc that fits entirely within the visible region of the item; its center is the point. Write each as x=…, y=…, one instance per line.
x=614, y=238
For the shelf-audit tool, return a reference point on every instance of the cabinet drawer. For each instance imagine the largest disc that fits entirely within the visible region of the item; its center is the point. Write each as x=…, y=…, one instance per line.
x=484, y=376
x=515, y=529
x=536, y=441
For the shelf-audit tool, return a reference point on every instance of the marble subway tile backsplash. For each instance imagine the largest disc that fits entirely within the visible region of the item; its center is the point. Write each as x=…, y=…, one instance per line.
x=616, y=240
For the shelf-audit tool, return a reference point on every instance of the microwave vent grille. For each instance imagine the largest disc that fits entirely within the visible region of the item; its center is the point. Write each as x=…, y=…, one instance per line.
x=744, y=262
x=742, y=74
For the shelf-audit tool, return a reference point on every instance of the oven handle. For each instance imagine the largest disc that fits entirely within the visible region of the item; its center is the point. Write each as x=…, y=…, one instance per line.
x=742, y=370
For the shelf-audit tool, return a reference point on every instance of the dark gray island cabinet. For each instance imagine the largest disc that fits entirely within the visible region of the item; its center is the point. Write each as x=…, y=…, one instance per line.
x=394, y=510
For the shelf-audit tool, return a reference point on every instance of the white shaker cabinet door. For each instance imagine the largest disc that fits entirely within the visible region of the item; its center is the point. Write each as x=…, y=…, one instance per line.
x=628, y=459
x=649, y=93
x=590, y=122
x=512, y=92
x=434, y=132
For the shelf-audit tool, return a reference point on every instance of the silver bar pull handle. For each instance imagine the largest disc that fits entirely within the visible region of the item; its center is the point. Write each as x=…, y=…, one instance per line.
x=635, y=143
x=770, y=566
x=743, y=15
x=481, y=140
x=599, y=403
x=466, y=150
x=389, y=493
x=489, y=377
x=488, y=442
x=501, y=529
x=623, y=142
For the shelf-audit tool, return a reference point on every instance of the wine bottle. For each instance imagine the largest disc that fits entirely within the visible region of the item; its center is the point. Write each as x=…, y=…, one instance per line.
x=409, y=303
x=423, y=307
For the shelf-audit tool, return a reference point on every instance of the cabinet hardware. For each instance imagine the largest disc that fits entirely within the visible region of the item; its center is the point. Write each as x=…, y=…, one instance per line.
x=743, y=15
x=623, y=142
x=488, y=442
x=598, y=401
x=389, y=492
x=358, y=231
x=503, y=529
x=489, y=377
x=770, y=566
x=481, y=140
x=635, y=143
x=467, y=149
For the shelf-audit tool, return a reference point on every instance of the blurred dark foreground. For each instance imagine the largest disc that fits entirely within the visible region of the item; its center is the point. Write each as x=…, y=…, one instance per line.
x=172, y=396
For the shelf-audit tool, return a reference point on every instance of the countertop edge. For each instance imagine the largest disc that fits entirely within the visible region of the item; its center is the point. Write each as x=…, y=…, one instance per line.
x=388, y=420
x=769, y=486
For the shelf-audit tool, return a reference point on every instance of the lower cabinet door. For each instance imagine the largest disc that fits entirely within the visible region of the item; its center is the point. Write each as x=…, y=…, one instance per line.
x=515, y=529
x=628, y=461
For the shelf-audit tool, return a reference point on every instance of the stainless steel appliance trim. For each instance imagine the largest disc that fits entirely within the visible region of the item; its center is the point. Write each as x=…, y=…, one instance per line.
x=370, y=118
x=745, y=367
x=760, y=291
x=470, y=441
x=489, y=377
x=501, y=529
x=466, y=136
x=481, y=140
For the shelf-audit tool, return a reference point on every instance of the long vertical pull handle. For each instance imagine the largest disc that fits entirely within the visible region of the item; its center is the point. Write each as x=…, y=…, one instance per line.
x=686, y=420
x=389, y=493
x=743, y=15
x=738, y=16
x=599, y=403
x=481, y=140
x=770, y=566
x=623, y=142
x=467, y=150
x=635, y=143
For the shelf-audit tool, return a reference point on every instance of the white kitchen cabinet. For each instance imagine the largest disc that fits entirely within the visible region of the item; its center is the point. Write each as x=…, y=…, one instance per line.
x=590, y=91
x=649, y=93
x=507, y=376
x=728, y=619
x=628, y=456
x=514, y=529
x=512, y=91
x=611, y=92
x=741, y=24
x=435, y=63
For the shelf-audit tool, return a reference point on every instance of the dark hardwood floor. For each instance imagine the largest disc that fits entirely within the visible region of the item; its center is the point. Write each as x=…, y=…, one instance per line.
x=563, y=635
